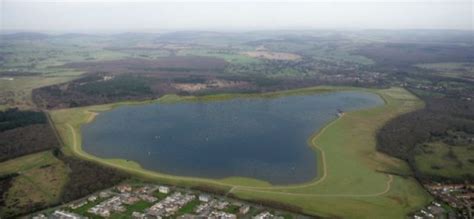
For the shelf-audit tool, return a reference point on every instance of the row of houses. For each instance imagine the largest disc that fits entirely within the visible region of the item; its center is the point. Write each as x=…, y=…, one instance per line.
x=163, y=201
x=170, y=205
x=458, y=196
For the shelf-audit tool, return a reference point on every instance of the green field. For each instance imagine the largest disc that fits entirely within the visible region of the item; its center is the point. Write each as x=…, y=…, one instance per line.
x=440, y=159
x=17, y=92
x=451, y=69
x=231, y=57
x=39, y=183
x=355, y=180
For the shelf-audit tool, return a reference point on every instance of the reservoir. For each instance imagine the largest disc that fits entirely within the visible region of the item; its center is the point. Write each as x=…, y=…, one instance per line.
x=261, y=138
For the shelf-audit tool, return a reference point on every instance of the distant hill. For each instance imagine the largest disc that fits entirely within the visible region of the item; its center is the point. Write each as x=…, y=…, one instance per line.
x=24, y=36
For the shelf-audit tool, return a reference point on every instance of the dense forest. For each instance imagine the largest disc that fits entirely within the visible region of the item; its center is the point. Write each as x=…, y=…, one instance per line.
x=24, y=132
x=5, y=183
x=14, y=118
x=86, y=177
x=25, y=140
x=28, y=132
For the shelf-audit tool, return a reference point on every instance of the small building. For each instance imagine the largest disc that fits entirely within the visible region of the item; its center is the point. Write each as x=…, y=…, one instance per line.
x=77, y=205
x=138, y=215
x=204, y=198
x=221, y=205
x=105, y=194
x=264, y=215
x=39, y=216
x=244, y=209
x=92, y=198
x=164, y=189
x=104, y=212
x=222, y=215
x=130, y=200
x=65, y=215
x=148, y=198
x=124, y=188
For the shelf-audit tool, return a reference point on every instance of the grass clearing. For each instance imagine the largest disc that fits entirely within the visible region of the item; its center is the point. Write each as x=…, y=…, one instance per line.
x=17, y=92
x=231, y=57
x=27, y=162
x=352, y=183
x=39, y=184
x=463, y=70
x=272, y=55
x=436, y=159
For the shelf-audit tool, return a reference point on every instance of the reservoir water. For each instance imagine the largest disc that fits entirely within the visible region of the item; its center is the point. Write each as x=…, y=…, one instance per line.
x=261, y=138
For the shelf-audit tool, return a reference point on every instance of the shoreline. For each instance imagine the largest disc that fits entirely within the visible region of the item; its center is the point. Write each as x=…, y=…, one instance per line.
x=319, y=153
x=318, y=190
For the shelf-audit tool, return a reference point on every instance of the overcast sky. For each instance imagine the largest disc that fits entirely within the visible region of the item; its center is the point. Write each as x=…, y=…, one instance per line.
x=105, y=15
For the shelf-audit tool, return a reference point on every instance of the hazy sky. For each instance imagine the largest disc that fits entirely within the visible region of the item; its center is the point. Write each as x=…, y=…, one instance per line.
x=105, y=15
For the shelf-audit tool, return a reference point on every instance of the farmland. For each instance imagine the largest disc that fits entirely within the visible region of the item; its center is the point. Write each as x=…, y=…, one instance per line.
x=437, y=158
x=272, y=55
x=374, y=159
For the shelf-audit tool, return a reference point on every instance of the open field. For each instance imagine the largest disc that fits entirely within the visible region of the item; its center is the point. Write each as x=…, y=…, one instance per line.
x=17, y=92
x=39, y=183
x=463, y=70
x=440, y=159
x=400, y=54
x=232, y=57
x=272, y=55
x=355, y=181
x=27, y=162
x=167, y=64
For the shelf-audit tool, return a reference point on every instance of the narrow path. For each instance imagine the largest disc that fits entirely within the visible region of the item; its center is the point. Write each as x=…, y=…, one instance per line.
x=387, y=189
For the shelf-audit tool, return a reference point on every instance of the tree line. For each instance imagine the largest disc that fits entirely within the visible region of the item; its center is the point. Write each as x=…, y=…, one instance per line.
x=401, y=135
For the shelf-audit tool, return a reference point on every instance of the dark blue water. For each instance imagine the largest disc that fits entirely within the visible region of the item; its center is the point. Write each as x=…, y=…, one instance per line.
x=259, y=138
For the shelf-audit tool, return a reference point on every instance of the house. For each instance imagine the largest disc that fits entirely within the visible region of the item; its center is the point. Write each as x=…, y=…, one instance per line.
x=204, y=198
x=103, y=212
x=146, y=189
x=78, y=204
x=92, y=198
x=39, y=216
x=221, y=205
x=244, y=209
x=148, y=198
x=264, y=215
x=130, y=200
x=164, y=189
x=124, y=188
x=222, y=215
x=138, y=215
x=105, y=194
x=65, y=215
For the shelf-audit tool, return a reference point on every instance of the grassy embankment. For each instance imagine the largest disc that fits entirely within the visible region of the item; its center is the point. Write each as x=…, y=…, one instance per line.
x=354, y=181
